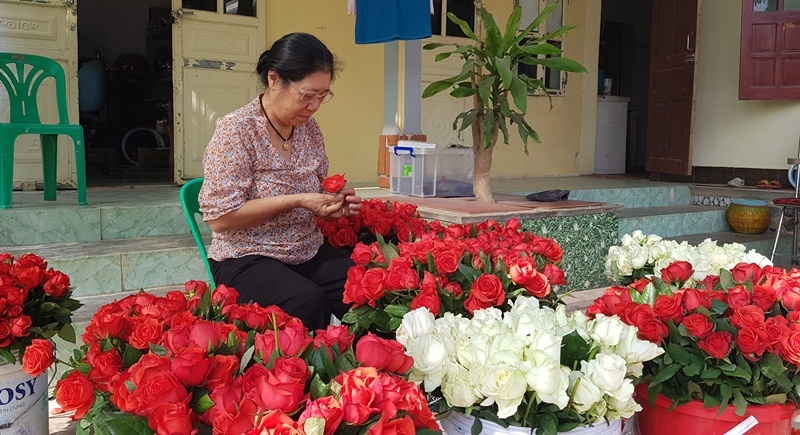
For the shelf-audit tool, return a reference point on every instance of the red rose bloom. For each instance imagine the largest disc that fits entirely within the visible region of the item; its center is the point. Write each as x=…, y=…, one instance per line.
x=698, y=325
x=75, y=392
x=487, y=291
x=38, y=357
x=57, y=284
x=677, y=272
x=429, y=300
x=751, y=342
x=738, y=297
x=384, y=355
x=764, y=297
x=172, y=418
x=334, y=183
x=446, y=261
x=717, y=344
x=748, y=316
x=669, y=307
x=326, y=407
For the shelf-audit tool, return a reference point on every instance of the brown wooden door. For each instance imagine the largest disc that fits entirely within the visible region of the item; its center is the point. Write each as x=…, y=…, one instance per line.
x=770, y=50
x=670, y=111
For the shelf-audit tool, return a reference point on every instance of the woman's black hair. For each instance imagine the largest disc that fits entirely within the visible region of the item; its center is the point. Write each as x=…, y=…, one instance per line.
x=295, y=56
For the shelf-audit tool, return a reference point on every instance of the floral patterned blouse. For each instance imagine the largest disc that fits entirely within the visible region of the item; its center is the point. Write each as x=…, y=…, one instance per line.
x=240, y=164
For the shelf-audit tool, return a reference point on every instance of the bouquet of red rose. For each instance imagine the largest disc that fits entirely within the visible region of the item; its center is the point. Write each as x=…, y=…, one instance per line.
x=170, y=364
x=394, y=221
x=734, y=338
x=456, y=269
x=35, y=305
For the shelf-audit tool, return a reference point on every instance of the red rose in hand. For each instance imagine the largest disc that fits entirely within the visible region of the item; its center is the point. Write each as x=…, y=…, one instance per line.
x=38, y=357
x=75, y=393
x=717, y=344
x=698, y=325
x=677, y=272
x=487, y=291
x=172, y=418
x=334, y=183
x=384, y=355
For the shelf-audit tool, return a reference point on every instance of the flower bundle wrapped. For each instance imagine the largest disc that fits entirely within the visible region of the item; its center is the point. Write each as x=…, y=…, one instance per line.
x=640, y=255
x=530, y=366
x=394, y=221
x=35, y=305
x=733, y=338
x=457, y=269
x=168, y=364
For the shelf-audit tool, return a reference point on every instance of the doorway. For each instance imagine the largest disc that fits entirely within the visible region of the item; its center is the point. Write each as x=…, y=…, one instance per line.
x=130, y=140
x=624, y=70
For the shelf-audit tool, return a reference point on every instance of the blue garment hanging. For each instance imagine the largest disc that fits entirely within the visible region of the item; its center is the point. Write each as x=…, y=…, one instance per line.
x=391, y=20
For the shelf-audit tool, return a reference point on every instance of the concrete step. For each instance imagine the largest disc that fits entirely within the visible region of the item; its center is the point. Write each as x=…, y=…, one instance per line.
x=637, y=197
x=673, y=221
x=114, y=266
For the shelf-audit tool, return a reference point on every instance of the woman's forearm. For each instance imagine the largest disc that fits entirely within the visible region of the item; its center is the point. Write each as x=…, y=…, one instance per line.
x=255, y=211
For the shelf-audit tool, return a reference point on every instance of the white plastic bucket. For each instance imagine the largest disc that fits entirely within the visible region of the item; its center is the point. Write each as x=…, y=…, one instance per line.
x=23, y=402
x=459, y=424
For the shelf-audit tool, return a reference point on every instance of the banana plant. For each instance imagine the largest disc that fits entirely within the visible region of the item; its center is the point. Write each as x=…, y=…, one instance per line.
x=490, y=73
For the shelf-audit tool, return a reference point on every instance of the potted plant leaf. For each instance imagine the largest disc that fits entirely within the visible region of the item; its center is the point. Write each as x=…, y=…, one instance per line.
x=490, y=74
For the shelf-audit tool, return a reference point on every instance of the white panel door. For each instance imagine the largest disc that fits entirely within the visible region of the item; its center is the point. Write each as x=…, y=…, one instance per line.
x=215, y=52
x=44, y=28
x=439, y=111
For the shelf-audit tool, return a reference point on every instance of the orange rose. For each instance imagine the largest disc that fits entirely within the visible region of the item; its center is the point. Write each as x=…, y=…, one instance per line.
x=172, y=418
x=75, y=393
x=38, y=357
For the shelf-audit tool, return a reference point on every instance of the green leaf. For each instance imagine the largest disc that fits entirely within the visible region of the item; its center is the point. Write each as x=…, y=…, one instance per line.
x=574, y=349
x=543, y=48
x=246, y=357
x=692, y=370
x=318, y=388
x=126, y=424
x=434, y=46
x=772, y=366
x=67, y=333
x=130, y=356
x=314, y=426
x=726, y=279
x=677, y=353
x=519, y=91
x=203, y=404
x=437, y=87
x=710, y=373
x=477, y=427
x=463, y=92
x=718, y=307
x=503, y=65
x=561, y=64
x=485, y=89
x=667, y=373
x=739, y=403
x=536, y=22
x=158, y=350
x=442, y=56
x=511, y=27
x=397, y=310
x=463, y=26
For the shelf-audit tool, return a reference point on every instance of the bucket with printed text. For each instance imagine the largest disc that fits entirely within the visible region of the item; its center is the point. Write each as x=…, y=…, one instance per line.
x=23, y=401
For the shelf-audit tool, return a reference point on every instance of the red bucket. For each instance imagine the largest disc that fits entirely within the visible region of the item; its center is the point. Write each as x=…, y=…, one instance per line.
x=694, y=419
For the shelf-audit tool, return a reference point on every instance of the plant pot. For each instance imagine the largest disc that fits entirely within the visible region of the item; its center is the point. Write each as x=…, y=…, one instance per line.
x=23, y=401
x=694, y=419
x=748, y=216
x=460, y=424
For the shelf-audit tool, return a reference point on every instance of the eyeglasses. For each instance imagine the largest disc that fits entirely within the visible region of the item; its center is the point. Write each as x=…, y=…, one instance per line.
x=309, y=97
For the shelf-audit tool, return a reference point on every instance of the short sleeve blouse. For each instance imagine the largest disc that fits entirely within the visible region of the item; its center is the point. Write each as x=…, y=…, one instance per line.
x=240, y=164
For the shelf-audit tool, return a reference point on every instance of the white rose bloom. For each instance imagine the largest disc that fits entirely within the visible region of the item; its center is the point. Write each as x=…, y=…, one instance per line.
x=459, y=389
x=628, y=239
x=430, y=353
x=487, y=321
x=621, y=408
x=606, y=330
x=634, y=350
x=755, y=258
x=549, y=380
x=653, y=238
x=639, y=257
x=505, y=385
x=415, y=324
x=584, y=393
x=546, y=343
x=473, y=349
x=624, y=265
x=506, y=349
x=607, y=372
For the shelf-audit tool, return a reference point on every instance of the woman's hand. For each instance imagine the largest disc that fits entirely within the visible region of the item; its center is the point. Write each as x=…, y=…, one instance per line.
x=351, y=205
x=324, y=205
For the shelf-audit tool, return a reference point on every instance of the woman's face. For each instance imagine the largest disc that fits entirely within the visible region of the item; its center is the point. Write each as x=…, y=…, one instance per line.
x=287, y=99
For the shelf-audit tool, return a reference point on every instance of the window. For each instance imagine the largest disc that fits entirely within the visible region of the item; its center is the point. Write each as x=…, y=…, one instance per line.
x=769, y=67
x=554, y=80
x=463, y=9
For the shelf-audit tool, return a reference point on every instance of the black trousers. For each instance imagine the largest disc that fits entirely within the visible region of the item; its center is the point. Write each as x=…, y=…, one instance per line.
x=311, y=291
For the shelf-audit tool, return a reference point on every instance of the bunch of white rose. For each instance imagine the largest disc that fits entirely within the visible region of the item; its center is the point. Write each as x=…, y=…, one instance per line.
x=640, y=255
x=497, y=360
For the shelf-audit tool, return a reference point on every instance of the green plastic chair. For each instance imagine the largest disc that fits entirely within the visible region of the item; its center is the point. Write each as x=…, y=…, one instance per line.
x=191, y=208
x=22, y=74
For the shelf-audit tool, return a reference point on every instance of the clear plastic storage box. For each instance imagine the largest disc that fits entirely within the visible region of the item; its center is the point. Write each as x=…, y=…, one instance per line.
x=420, y=169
